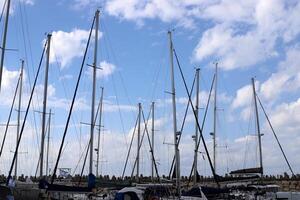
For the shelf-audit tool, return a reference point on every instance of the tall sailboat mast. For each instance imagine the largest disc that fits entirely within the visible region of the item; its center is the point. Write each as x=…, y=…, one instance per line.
x=94, y=93
x=45, y=105
x=19, y=114
x=4, y=40
x=258, y=127
x=99, y=131
x=48, y=143
x=177, y=161
x=215, y=119
x=138, y=144
x=152, y=143
x=196, y=127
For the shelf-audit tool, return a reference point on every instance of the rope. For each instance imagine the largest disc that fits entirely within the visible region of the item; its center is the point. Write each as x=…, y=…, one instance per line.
x=203, y=122
x=200, y=130
x=151, y=149
x=281, y=149
x=182, y=125
x=9, y=116
x=127, y=157
x=26, y=113
x=72, y=104
x=89, y=144
x=3, y=10
x=32, y=71
x=135, y=162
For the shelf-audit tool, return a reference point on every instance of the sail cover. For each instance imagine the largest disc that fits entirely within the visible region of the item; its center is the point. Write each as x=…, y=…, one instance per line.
x=257, y=170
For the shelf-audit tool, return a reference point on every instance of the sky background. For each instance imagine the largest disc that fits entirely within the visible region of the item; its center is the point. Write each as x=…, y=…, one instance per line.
x=249, y=38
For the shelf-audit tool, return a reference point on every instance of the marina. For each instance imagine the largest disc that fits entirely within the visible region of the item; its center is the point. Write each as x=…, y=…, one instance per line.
x=85, y=119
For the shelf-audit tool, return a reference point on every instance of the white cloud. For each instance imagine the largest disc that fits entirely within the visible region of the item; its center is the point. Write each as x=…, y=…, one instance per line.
x=241, y=11
x=250, y=38
x=8, y=78
x=107, y=69
x=138, y=11
x=285, y=79
x=243, y=100
x=8, y=85
x=234, y=50
x=247, y=36
x=65, y=46
x=286, y=118
x=243, y=97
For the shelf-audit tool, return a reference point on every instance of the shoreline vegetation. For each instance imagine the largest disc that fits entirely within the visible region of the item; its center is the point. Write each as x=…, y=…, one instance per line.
x=284, y=180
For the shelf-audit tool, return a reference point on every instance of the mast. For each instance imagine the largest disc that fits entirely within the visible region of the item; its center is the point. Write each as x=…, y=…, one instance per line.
x=99, y=131
x=4, y=41
x=215, y=118
x=258, y=127
x=152, y=143
x=48, y=143
x=138, y=144
x=94, y=93
x=196, y=127
x=45, y=105
x=19, y=114
x=177, y=162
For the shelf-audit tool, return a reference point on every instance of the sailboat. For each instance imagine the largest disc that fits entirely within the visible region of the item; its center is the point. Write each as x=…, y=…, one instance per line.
x=59, y=191
x=256, y=170
x=162, y=190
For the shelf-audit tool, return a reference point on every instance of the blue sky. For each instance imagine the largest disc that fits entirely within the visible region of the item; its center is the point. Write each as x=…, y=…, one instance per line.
x=248, y=39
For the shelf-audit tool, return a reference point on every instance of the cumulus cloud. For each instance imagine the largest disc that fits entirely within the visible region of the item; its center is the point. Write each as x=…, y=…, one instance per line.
x=8, y=85
x=66, y=46
x=286, y=78
x=232, y=49
x=107, y=69
x=252, y=41
x=243, y=96
x=286, y=118
x=247, y=36
x=138, y=11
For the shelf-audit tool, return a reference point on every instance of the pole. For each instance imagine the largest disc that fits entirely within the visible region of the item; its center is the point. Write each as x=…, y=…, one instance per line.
x=48, y=143
x=177, y=162
x=4, y=40
x=215, y=119
x=138, y=144
x=19, y=115
x=258, y=127
x=99, y=131
x=196, y=127
x=152, y=143
x=45, y=105
x=94, y=93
